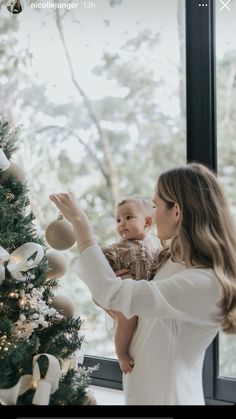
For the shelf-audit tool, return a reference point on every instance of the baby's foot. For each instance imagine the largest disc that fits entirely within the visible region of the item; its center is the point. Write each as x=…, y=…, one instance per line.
x=126, y=363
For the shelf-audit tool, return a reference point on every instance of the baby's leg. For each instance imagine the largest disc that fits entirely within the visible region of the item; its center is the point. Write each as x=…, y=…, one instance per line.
x=123, y=335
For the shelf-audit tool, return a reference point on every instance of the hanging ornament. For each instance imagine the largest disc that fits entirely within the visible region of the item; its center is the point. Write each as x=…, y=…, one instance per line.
x=57, y=264
x=4, y=162
x=15, y=171
x=21, y=259
x=64, y=305
x=60, y=234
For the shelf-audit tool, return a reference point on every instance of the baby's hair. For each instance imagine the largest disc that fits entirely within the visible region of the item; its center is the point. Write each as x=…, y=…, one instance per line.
x=143, y=203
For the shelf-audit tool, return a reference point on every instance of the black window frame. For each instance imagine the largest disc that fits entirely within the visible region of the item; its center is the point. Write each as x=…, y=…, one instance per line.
x=201, y=147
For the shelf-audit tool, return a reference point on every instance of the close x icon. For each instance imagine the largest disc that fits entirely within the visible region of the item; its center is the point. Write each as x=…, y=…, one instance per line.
x=225, y=5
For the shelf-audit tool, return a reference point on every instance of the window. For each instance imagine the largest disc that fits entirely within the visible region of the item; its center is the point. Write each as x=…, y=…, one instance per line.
x=102, y=102
x=226, y=133
x=101, y=95
x=202, y=146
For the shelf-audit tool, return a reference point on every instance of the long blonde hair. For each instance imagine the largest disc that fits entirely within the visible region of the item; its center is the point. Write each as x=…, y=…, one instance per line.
x=206, y=234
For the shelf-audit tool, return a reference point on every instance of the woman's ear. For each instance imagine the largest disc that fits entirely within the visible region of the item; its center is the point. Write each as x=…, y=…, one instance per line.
x=177, y=212
x=148, y=221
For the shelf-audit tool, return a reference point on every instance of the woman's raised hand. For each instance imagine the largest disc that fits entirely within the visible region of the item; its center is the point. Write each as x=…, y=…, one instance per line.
x=72, y=211
x=68, y=206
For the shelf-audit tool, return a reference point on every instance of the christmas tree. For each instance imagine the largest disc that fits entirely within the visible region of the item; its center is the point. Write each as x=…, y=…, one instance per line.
x=38, y=343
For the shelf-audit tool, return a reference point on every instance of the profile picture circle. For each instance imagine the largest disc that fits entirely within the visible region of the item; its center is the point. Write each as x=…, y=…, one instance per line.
x=15, y=6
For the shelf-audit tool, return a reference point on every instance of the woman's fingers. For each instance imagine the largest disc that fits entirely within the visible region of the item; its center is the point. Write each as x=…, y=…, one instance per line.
x=61, y=197
x=55, y=199
x=53, y=196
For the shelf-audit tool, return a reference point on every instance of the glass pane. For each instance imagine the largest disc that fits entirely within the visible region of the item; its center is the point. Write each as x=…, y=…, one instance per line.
x=100, y=92
x=226, y=132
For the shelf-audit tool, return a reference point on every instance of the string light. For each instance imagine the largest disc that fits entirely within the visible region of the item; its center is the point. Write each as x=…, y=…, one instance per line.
x=22, y=302
x=13, y=295
x=34, y=384
x=4, y=344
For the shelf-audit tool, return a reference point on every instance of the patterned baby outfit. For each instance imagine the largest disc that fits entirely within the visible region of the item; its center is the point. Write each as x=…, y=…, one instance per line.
x=139, y=256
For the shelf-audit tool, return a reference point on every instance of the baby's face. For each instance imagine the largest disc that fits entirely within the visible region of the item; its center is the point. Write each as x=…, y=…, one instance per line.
x=131, y=220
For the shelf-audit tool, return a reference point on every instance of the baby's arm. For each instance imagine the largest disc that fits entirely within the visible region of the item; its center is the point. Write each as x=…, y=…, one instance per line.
x=123, y=335
x=124, y=328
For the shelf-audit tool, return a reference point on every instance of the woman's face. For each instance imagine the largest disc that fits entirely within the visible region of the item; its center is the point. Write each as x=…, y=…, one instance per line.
x=166, y=219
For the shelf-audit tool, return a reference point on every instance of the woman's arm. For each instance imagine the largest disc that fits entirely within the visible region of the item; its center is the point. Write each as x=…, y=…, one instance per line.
x=189, y=295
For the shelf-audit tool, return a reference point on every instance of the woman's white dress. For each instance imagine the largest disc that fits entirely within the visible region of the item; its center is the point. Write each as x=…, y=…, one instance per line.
x=177, y=321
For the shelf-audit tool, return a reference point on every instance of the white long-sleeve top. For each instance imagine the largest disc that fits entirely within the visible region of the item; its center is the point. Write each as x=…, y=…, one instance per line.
x=177, y=320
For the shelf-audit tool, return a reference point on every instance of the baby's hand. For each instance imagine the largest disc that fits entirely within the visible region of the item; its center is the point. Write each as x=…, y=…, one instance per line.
x=123, y=273
x=126, y=363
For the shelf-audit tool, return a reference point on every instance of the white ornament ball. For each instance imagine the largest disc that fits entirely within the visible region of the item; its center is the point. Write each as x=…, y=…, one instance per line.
x=15, y=171
x=63, y=305
x=60, y=234
x=57, y=264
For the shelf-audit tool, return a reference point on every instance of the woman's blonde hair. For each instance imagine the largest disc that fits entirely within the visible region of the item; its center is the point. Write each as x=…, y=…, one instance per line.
x=206, y=234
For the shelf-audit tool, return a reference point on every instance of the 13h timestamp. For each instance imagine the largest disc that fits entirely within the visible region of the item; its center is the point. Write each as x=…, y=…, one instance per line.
x=89, y=5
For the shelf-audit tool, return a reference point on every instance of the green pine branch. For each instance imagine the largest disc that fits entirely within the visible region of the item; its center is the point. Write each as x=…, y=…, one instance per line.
x=52, y=335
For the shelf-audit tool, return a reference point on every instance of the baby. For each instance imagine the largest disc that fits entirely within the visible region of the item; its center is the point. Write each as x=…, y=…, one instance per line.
x=137, y=251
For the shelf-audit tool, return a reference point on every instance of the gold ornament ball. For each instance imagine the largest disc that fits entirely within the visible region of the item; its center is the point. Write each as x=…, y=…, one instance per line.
x=60, y=234
x=16, y=171
x=57, y=264
x=63, y=305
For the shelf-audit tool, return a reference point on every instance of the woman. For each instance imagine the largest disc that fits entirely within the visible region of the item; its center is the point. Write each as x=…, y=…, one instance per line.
x=192, y=294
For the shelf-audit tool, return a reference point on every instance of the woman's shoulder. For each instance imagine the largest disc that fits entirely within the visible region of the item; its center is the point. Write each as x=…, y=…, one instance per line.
x=168, y=269
x=192, y=291
x=199, y=281
x=198, y=276
x=204, y=278
x=200, y=273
